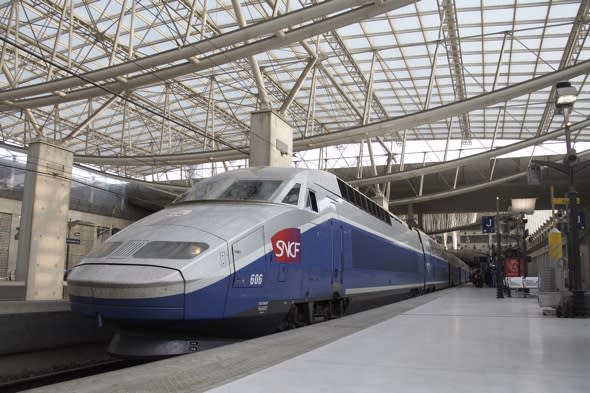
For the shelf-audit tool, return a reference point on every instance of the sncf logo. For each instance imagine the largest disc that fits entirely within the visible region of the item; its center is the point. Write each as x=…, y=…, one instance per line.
x=286, y=245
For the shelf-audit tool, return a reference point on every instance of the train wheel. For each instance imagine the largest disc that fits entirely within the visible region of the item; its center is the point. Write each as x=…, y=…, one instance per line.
x=291, y=320
x=337, y=307
x=293, y=317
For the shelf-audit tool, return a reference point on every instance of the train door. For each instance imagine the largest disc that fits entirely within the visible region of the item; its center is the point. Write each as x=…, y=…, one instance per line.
x=450, y=279
x=284, y=268
x=316, y=255
x=246, y=293
x=249, y=259
x=337, y=257
x=425, y=264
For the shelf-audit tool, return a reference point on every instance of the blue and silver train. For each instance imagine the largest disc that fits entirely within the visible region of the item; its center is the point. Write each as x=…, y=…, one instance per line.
x=256, y=250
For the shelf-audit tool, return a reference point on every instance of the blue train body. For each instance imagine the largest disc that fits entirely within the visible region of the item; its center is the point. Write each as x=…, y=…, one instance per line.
x=279, y=247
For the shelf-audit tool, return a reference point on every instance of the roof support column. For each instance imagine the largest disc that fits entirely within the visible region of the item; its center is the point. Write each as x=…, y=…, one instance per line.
x=130, y=47
x=359, y=164
x=410, y=216
x=28, y=113
x=89, y=120
x=402, y=159
x=309, y=120
x=271, y=140
x=373, y=165
x=43, y=227
x=494, y=142
x=382, y=200
x=386, y=187
x=289, y=100
x=189, y=25
x=118, y=32
x=422, y=177
x=262, y=96
x=369, y=96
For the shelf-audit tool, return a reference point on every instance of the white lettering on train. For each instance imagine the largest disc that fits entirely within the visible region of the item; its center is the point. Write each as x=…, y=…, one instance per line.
x=290, y=248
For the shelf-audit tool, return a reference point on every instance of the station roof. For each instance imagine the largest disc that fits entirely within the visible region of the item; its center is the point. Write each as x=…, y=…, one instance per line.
x=156, y=90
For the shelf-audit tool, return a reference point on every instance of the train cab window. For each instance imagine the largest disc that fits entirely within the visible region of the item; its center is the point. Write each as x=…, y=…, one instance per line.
x=292, y=196
x=250, y=190
x=231, y=189
x=311, y=201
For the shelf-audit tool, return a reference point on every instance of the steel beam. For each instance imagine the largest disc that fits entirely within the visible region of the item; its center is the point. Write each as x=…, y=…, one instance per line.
x=262, y=96
x=263, y=33
x=455, y=62
x=466, y=160
x=454, y=192
x=298, y=84
x=381, y=128
x=433, y=115
x=571, y=52
x=28, y=113
x=89, y=120
x=369, y=93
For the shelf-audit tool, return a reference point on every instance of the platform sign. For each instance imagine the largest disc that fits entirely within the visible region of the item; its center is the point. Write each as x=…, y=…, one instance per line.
x=487, y=224
x=581, y=221
x=70, y=240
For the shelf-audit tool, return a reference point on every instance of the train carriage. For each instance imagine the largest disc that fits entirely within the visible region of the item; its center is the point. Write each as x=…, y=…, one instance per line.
x=250, y=251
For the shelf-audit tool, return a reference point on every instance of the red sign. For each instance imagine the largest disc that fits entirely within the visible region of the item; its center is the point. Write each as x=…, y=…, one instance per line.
x=286, y=245
x=513, y=267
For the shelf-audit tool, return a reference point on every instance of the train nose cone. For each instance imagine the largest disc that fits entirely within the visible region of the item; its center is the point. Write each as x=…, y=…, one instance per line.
x=127, y=291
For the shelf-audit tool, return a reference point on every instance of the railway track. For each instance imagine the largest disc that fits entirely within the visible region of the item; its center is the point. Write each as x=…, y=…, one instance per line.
x=40, y=377
x=66, y=374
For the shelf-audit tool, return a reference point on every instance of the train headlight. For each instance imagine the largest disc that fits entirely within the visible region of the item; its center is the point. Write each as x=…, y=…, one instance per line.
x=171, y=250
x=196, y=249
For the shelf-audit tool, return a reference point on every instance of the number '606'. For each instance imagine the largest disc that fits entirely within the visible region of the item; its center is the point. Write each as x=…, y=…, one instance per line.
x=256, y=279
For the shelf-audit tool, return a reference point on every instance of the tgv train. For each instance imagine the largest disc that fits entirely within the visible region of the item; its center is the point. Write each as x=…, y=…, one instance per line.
x=256, y=250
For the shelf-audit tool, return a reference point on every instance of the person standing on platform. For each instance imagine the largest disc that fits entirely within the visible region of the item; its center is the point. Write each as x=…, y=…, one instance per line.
x=494, y=278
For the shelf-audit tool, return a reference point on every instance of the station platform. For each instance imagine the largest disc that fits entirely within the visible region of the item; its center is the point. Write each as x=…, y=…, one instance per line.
x=30, y=326
x=456, y=340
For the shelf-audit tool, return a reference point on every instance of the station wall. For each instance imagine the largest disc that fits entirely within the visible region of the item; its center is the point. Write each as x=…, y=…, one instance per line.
x=89, y=228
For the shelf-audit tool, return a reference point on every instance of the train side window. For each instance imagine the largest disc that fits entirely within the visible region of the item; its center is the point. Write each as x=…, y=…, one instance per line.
x=292, y=196
x=311, y=201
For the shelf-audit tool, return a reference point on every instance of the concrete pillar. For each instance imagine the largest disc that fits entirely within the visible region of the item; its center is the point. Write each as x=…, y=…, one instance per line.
x=13, y=247
x=455, y=240
x=271, y=140
x=43, y=226
x=445, y=236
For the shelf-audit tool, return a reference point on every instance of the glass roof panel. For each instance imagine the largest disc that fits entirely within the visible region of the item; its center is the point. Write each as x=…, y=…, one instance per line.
x=219, y=93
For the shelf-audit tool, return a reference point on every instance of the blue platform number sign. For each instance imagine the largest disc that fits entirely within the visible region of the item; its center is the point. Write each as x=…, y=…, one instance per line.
x=487, y=224
x=581, y=221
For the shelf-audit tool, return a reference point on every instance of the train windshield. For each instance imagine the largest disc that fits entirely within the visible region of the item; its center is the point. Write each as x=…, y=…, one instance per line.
x=231, y=189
